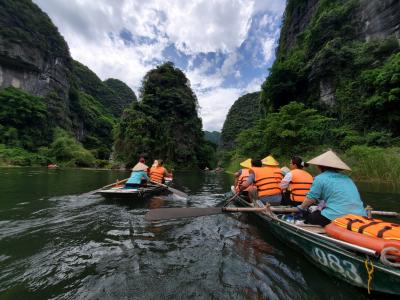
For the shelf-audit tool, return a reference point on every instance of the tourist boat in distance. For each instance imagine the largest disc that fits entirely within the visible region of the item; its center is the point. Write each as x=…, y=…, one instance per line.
x=52, y=166
x=356, y=265
x=119, y=192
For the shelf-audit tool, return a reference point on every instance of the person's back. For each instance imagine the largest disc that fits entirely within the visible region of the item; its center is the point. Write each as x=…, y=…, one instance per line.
x=300, y=184
x=157, y=173
x=138, y=176
x=340, y=194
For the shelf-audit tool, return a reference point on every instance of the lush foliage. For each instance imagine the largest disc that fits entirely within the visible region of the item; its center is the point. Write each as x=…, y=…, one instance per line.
x=164, y=124
x=66, y=149
x=113, y=94
x=22, y=22
x=284, y=132
x=123, y=91
x=374, y=163
x=212, y=136
x=23, y=120
x=242, y=115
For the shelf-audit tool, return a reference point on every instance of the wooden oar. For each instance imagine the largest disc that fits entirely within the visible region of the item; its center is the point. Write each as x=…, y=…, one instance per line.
x=172, y=190
x=189, y=212
x=107, y=186
x=231, y=199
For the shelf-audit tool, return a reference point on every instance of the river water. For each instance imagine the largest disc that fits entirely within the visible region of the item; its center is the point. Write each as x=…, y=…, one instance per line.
x=57, y=243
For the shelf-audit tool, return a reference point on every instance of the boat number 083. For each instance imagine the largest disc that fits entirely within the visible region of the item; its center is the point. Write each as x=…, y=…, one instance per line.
x=344, y=267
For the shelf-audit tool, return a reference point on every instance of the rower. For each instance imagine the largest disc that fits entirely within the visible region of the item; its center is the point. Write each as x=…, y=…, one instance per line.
x=337, y=190
x=296, y=183
x=138, y=176
x=242, y=175
x=158, y=172
x=266, y=182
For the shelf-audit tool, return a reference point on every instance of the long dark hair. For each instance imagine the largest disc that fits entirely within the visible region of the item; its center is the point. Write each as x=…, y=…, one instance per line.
x=299, y=162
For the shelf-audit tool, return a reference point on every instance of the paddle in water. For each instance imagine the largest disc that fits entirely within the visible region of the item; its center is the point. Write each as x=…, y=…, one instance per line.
x=172, y=190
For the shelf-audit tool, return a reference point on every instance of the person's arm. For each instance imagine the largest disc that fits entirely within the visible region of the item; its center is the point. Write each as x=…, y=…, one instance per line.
x=285, y=181
x=145, y=176
x=248, y=182
x=237, y=175
x=313, y=195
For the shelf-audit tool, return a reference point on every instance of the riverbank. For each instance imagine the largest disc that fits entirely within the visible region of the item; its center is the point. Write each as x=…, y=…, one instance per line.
x=368, y=164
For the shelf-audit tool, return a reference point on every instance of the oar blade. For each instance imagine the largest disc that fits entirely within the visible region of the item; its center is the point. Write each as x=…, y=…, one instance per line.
x=178, y=192
x=178, y=213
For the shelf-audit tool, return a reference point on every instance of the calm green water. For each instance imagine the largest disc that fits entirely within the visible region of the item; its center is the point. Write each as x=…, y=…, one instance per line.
x=56, y=243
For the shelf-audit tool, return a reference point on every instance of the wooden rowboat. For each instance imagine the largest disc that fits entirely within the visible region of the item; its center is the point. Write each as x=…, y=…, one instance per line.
x=356, y=265
x=120, y=192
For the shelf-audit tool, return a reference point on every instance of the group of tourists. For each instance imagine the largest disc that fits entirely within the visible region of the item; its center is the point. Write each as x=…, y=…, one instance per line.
x=142, y=174
x=334, y=193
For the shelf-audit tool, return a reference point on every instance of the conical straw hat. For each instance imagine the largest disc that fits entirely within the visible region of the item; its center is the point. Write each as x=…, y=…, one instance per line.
x=246, y=163
x=140, y=167
x=269, y=161
x=329, y=159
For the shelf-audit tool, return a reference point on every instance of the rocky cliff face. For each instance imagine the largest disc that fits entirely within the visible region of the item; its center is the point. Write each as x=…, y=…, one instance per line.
x=315, y=25
x=378, y=19
x=33, y=55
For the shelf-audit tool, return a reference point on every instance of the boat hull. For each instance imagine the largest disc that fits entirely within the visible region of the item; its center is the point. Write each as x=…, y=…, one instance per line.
x=334, y=259
x=132, y=194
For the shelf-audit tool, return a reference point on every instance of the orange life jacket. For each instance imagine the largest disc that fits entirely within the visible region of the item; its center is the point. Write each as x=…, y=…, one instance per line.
x=243, y=178
x=369, y=226
x=277, y=172
x=157, y=174
x=300, y=185
x=267, y=181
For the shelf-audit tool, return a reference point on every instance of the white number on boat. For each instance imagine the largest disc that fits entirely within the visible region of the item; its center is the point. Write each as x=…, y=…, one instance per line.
x=344, y=267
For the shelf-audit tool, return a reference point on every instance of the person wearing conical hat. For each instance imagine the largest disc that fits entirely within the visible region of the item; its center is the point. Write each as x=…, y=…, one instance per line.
x=242, y=175
x=265, y=183
x=335, y=188
x=272, y=163
x=138, y=176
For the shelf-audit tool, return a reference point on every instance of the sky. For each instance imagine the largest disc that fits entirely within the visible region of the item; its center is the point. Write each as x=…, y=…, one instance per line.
x=224, y=47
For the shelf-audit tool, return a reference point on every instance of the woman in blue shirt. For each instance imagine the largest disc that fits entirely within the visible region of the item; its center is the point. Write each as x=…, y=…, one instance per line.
x=138, y=177
x=337, y=190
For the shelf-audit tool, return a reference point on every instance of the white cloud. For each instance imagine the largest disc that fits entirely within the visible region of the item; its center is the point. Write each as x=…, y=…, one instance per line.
x=214, y=106
x=194, y=27
x=268, y=47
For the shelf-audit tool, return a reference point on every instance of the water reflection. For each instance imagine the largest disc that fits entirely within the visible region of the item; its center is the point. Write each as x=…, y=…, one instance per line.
x=55, y=243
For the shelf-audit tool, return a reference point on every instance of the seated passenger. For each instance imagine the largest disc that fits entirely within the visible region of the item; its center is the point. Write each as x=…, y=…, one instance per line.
x=242, y=175
x=272, y=163
x=266, y=183
x=296, y=183
x=337, y=190
x=158, y=172
x=138, y=176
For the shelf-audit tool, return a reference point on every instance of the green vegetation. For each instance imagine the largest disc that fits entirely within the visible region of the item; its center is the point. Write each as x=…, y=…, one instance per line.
x=346, y=93
x=164, y=124
x=212, y=136
x=113, y=94
x=23, y=120
x=22, y=22
x=242, y=115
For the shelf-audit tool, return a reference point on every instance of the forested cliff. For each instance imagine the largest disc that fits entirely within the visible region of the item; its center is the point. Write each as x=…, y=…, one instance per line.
x=55, y=109
x=335, y=83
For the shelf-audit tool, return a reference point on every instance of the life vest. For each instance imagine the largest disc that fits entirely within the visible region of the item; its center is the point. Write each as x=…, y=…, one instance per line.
x=243, y=178
x=300, y=185
x=267, y=181
x=368, y=226
x=157, y=174
x=277, y=173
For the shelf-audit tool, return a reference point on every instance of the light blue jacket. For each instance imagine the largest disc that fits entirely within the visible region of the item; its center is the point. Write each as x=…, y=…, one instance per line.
x=340, y=194
x=136, y=177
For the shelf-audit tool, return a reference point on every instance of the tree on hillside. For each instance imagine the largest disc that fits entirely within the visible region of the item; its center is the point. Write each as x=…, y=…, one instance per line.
x=242, y=115
x=165, y=123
